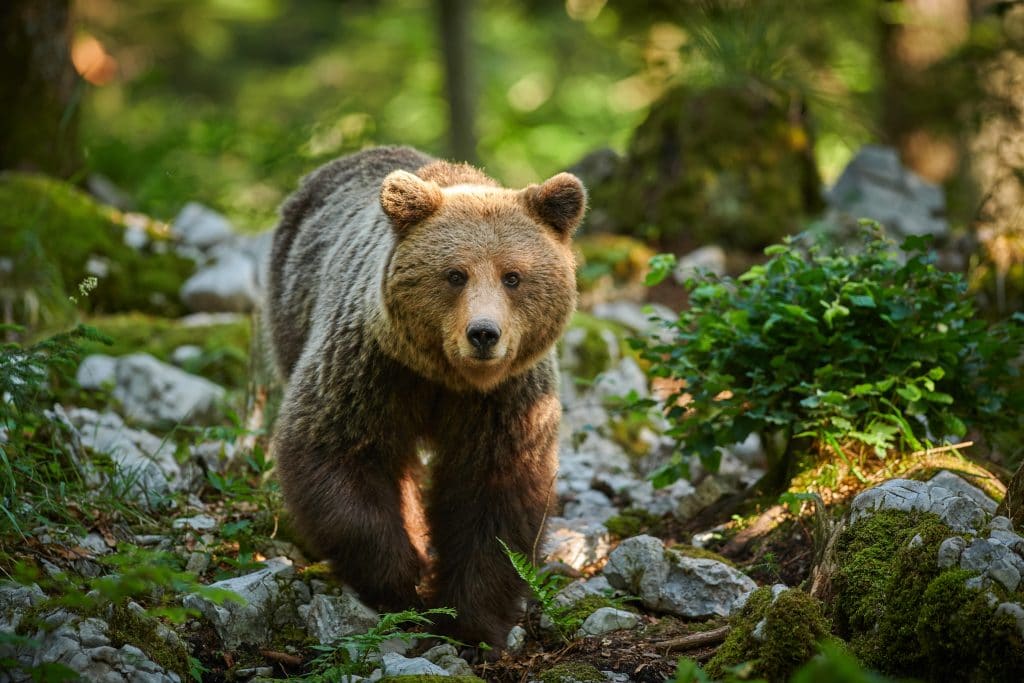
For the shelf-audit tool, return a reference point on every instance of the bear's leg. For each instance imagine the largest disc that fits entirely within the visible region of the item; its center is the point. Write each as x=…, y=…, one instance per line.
x=358, y=507
x=493, y=478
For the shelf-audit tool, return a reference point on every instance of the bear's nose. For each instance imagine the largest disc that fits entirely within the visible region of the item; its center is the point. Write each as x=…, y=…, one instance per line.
x=483, y=334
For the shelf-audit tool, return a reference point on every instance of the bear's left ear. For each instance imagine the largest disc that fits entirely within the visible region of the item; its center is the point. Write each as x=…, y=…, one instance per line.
x=407, y=199
x=559, y=201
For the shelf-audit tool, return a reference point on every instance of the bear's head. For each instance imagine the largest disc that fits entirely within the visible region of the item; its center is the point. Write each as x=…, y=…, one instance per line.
x=481, y=281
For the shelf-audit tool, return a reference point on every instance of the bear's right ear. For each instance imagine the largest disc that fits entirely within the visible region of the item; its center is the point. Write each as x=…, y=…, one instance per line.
x=560, y=201
x=407, y=199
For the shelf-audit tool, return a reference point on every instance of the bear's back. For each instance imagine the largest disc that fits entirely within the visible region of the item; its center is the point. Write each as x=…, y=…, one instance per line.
x=331, y=241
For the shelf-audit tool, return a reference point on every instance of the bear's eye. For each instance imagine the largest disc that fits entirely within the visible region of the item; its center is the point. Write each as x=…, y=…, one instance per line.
x=456, y=278
x=510, y=279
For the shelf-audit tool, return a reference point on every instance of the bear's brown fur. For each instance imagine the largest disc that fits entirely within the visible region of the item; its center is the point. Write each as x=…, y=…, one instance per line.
x=414, y=303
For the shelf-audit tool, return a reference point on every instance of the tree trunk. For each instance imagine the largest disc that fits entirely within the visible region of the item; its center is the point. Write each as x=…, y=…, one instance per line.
x=916, y=36
x=454, y=18
x=38, y=87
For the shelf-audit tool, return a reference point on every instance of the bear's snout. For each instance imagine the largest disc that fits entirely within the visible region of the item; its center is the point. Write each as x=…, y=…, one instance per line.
x=483, y=334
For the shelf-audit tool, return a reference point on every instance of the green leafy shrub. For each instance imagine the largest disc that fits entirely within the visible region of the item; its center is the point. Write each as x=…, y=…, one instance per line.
x=836, y=352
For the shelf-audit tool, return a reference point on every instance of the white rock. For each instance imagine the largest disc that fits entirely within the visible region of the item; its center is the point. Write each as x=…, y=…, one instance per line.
x=607, y=619
x=576, y=542
x=960, y=513
x=201, y=227
x=637, y=317
x=668, y=581
x=957, y=485
x=186, y=353
x=589, y=503
x=447, y=657
x=876, y=185
x=229, y=285
x=624, y=378
x=196, y=523
x=144, y=462
x=397, y=665
x=950, y=551
x=707, y=259
x=15, y=601
x=158, y=394
x=331, y=617
x=516, y=639
x=96, y=371
x=266, y=605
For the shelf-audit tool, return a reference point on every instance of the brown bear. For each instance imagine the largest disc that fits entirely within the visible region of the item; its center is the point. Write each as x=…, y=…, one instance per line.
x=414, y=304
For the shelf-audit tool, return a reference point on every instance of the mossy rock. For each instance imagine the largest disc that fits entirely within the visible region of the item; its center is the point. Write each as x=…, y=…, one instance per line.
x=702, y=553
x=571, y=618
x=633, y=522
x=51, y=231
x=572, y=672
x=730, y=165
x=431, y=678
x=225, y=346
x=126, y=627
x=904, y=615
x=610, y=262
x=597, y=344
x=794, y=627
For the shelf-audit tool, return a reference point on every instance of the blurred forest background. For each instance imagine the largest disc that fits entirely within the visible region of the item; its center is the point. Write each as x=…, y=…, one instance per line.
x=228, y=102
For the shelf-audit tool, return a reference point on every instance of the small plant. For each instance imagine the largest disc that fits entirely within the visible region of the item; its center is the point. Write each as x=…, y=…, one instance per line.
x=543, y=585
x=357, y=654
x=848, y=354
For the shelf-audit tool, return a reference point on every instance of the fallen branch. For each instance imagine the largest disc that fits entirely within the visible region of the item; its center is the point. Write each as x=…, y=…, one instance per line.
x=942, y=449
x=694, y=640
x=282, y=657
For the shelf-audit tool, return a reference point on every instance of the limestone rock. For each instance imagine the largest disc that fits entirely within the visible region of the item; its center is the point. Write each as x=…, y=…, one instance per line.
x=158, y=394
x=201, y=227
x=397, y=665
x=608, y=619
x=266, y=605
x=330, y=617
x=668, y=581
x=229, y=285
x=576, y=542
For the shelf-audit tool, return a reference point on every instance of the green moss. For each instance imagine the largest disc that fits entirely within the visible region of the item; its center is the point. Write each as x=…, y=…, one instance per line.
x=904, y=615
x=572, y=617
x=127, y=627
x=51, y=230
x=572, y=672
x=726, y=165
x=703, y=553
x=437, y=678
x=225, y=346
x=611, y=261
x=633, y=522
x=602, y=345
x=794, y=627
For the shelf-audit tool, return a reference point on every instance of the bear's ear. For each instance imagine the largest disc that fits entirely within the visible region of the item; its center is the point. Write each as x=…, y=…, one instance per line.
x=560, y=202
x=407, y=199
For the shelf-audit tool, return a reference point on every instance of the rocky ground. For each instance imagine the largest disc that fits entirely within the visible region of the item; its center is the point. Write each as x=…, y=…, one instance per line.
x=183, y=566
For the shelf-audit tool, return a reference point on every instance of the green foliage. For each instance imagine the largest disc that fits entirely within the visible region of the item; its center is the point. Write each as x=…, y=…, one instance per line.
x=793, y=627
x=544, y=587
x=572, y=672
x=870, y=351
x=355, y=654
x=224, y=346
x=904, y=615
x=52, y=231
x=833, y=664
x=38, y=469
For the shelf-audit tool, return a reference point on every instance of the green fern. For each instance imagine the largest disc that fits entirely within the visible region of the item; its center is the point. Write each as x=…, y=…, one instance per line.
x=544, y=587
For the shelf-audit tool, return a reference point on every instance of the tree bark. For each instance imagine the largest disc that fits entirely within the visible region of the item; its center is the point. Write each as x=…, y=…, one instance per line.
x=39, y=88
x=454, y=16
